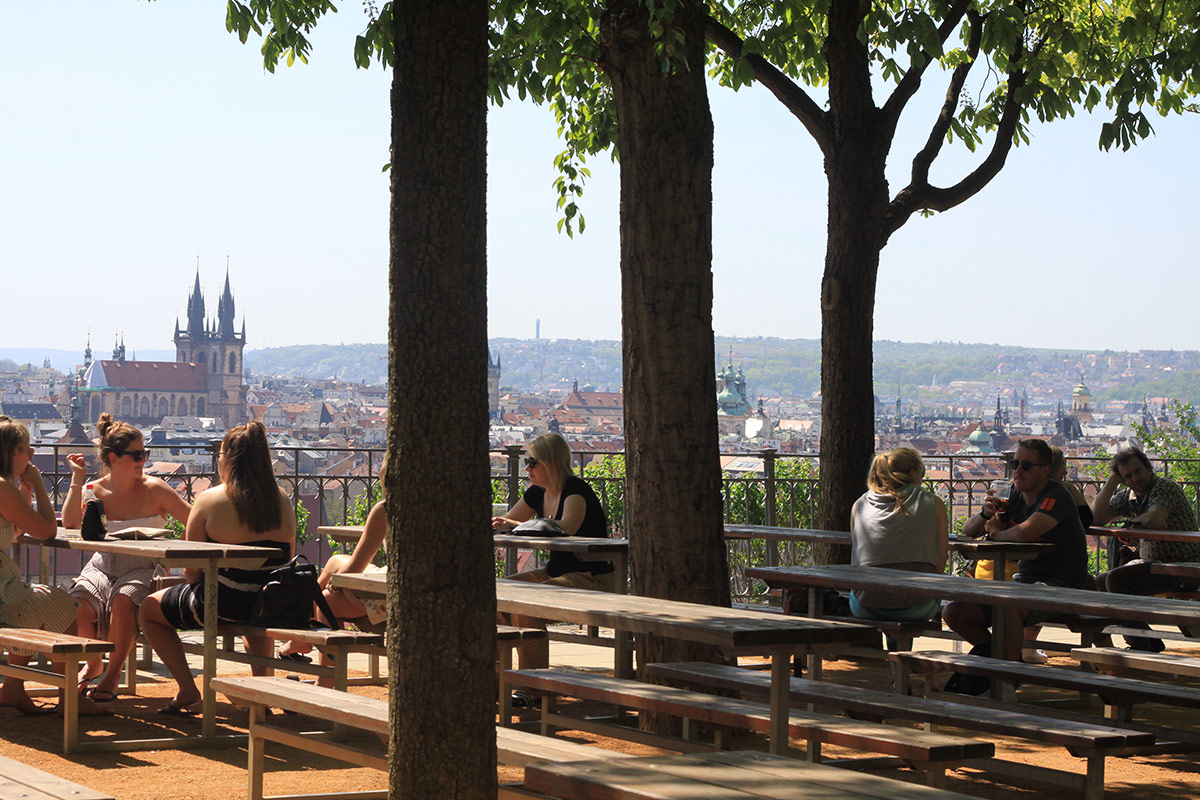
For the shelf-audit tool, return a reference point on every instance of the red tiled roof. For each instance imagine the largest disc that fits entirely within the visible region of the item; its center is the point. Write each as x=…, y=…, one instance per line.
x=162, y=376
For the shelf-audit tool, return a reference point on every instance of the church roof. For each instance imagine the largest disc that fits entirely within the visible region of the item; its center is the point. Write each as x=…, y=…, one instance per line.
x=156, y=376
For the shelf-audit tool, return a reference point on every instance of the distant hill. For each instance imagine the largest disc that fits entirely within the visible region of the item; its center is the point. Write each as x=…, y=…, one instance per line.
x=776, y=367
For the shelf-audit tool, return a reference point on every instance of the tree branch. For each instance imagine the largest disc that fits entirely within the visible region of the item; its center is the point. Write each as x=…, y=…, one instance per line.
x=794, y=99
x=919, y=196
x=912, y=79
x=937, y=134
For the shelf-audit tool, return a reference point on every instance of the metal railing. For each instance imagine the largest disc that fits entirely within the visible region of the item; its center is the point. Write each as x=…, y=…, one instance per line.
x=782, y=492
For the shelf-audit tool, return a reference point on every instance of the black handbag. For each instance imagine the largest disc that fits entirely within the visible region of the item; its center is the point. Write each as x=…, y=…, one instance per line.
x=286, y=600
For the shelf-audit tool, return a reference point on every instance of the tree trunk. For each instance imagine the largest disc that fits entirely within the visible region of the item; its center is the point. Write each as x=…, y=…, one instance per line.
x=858, y=198
x=441, y=582
x=673, y=499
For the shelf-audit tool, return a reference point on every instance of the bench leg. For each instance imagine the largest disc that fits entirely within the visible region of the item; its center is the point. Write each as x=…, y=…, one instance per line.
x=70, y=705
x=780, y=702
x=1093, y=783
x=256, y=750
x=935, y=776
x=504, y=698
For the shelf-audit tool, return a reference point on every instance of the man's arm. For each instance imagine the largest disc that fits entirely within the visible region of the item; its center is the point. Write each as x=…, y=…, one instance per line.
x=976, y=525
x=1102, y=511
x=1032, y=529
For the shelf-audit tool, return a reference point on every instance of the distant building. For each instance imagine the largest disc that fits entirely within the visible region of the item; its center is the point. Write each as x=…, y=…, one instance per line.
x=493, y=380
x=205, y=380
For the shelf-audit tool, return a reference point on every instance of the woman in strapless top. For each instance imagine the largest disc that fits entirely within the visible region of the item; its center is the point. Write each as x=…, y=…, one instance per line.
x=111, y=586
x=246, y=508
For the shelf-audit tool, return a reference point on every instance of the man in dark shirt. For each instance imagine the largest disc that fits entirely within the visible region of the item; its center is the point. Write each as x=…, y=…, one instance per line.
x=1039, y=510
x=1134, y=492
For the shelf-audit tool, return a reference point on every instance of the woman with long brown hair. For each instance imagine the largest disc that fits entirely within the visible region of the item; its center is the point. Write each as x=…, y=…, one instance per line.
x=25, y=605
x=111, y=587
x=247, y=507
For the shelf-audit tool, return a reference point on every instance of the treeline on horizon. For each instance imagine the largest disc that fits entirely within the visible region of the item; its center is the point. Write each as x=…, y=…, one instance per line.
x=773, y=367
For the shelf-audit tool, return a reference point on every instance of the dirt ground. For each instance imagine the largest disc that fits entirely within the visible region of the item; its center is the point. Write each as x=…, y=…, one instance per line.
x=220, y=773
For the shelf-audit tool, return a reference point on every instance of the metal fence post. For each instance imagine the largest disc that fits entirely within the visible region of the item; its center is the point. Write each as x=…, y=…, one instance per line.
x=513, y=454
x=768, y=457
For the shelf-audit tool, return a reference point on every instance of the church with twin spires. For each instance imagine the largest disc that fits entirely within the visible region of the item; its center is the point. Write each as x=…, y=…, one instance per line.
x=204, y=380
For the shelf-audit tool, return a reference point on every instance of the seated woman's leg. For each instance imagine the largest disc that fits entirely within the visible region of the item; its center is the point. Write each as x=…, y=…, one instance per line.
x=122, y=632
x=85, y=623
x=164, y=639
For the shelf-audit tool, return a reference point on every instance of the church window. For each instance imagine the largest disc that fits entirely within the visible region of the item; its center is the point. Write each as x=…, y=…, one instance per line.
x=163, y=409
x=214, y=362
x=233, y=362
x=145, y=407
x=126, y=407
x=95, y=408
x=199, y=406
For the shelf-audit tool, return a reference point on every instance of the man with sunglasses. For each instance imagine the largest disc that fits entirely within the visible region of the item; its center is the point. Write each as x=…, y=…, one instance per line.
x=1039, y=510
x=1134, y=492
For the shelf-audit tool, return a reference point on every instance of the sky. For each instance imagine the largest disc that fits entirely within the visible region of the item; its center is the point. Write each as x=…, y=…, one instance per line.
x=139, y=141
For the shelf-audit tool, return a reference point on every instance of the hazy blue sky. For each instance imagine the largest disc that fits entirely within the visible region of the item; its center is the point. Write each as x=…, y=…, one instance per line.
x=136, y=136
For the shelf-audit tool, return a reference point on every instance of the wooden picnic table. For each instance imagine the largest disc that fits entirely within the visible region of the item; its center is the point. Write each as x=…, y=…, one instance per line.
x=206, y=556
x=1008, y=595
x=732, y=630
x=971, y=548
x=722, y=775
x=343, y=534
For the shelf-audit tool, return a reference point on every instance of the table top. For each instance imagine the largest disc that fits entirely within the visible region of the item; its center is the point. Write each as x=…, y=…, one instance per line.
x=1146, y=533
x=579, y=545
x=346, y=534
x=1023, y=596
x=988, y=548
x=728, y=628
x=728, y=775
x=176, y=552
x=975, y=548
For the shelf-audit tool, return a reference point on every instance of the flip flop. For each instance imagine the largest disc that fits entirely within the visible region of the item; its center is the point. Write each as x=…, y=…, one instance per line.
x=102, y=695
x=299, y=658
x=174, y=709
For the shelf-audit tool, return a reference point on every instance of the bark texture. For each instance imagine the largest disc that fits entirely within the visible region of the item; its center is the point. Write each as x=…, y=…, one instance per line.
x=441, y=589
x=855, y=157
x=673, y=498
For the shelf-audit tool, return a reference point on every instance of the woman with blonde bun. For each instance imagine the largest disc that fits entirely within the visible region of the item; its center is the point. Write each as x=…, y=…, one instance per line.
x=897, y=524
x=111, y=587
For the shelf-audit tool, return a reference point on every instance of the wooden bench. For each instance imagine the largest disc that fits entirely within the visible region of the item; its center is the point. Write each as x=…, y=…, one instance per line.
x=57, y=648
x=515, y=747
x=1115, y=661
x=1119, y=694
x=508, y=639
x=931, y=752
x=22, y=782
x=1088, y=740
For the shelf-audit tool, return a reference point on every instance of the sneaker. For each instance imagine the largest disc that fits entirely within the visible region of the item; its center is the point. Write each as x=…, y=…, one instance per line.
x=973, y=685
x=1031, y=655
x=93, y=527
x=1145, y=644
x=523, y=699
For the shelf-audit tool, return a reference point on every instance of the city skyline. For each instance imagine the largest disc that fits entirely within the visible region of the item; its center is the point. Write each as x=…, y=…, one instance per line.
x=174, y=143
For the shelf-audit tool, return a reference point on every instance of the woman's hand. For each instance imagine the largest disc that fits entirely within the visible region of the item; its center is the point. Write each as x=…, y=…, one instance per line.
x=503, y=524
x=31, y=478
x=78, y=464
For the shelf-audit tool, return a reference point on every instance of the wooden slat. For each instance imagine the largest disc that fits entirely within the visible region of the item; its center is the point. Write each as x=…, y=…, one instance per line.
x=717, y=776
x=1081, y=736
x=316, y=637
x=1108, y=686
x=51, y=644
x=1114, y=658
x=522, y=747
x=728, y=712
x=30, y=783
x=303, y=698
x=1009, y=594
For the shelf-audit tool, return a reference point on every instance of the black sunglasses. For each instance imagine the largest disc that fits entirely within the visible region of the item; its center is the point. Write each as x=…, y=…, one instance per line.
x=1026, y=465
x=138, y=456
x=531, y=462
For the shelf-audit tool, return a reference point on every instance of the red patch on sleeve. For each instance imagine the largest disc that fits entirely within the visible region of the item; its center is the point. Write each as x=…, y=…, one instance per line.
x=1047, y=505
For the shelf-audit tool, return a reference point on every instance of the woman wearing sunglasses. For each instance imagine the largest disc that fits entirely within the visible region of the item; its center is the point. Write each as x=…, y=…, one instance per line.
x=111, y=587
x=556, y=493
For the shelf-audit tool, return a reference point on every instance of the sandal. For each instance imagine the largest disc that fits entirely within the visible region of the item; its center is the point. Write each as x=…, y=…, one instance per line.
x=177, y=709
x=101, y=695
x=299, y=658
